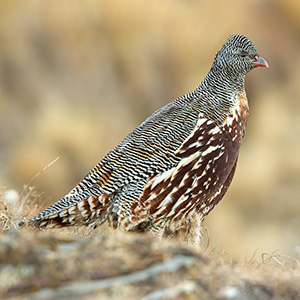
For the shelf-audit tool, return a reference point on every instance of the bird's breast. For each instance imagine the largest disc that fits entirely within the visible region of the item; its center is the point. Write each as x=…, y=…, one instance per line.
x=235, y=122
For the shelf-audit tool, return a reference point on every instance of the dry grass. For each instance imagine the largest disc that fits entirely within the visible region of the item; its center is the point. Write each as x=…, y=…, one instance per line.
x=79, y=263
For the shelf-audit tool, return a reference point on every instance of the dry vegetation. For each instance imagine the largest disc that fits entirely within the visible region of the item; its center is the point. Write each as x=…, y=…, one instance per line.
x=79, y=263
x=75, y=78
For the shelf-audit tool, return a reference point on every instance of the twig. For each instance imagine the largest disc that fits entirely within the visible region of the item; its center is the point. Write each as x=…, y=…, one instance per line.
x=208, y=238
x=187, y=286
x=172, y=265
x=36, y=175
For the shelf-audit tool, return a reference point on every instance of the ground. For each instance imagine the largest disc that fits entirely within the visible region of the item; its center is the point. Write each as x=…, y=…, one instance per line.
x=82, y=263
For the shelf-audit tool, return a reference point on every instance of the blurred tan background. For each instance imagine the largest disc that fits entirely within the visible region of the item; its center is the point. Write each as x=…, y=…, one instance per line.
x=77, y=77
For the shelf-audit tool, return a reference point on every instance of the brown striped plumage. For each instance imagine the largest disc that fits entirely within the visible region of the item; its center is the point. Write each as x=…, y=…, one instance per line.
x=170, y=172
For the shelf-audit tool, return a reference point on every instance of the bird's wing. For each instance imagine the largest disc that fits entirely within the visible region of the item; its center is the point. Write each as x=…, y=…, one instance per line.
x=148, y=150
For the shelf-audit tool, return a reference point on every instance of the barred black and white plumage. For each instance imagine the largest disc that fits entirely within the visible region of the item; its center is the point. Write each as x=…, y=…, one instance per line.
x=170, y=171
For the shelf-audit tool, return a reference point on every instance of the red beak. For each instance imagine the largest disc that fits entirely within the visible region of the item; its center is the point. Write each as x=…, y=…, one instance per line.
x=260, y=62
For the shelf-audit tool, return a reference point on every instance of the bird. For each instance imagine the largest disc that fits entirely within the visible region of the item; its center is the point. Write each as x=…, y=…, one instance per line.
x=169, y=173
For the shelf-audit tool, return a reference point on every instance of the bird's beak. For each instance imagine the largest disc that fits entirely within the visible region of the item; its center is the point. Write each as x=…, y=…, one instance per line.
x=260, y=62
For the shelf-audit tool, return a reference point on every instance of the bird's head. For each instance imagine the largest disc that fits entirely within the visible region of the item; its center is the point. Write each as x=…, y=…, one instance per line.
x=238, y=56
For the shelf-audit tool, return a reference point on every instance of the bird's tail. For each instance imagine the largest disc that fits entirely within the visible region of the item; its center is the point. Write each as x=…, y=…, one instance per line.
x=72, y=210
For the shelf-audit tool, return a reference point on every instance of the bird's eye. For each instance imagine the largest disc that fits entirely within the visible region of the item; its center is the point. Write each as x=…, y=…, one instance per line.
x=243, y=53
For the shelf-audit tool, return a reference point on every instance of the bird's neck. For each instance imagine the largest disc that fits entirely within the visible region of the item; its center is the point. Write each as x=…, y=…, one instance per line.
x=224, y=82
x=219, y=91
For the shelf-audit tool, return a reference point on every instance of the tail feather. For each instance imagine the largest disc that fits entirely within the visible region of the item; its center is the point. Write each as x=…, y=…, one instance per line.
x=89, y=211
